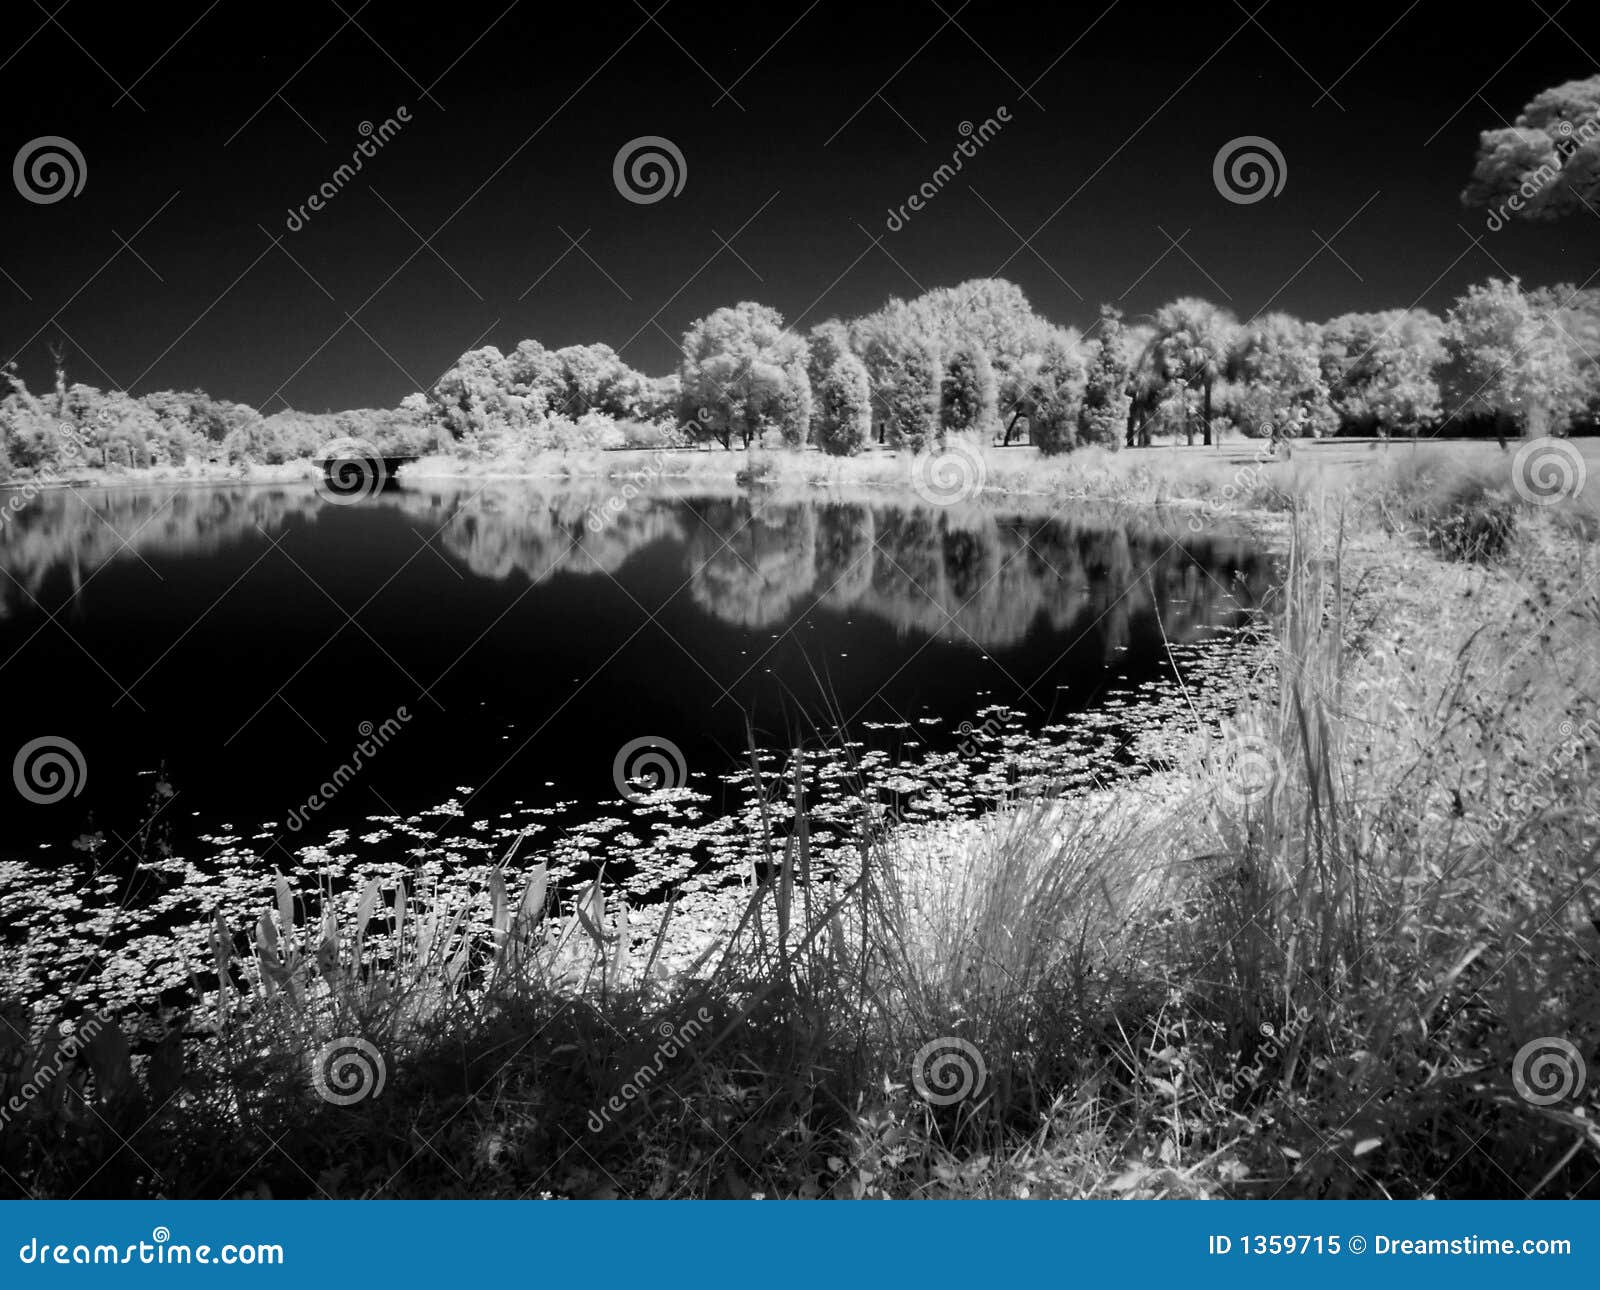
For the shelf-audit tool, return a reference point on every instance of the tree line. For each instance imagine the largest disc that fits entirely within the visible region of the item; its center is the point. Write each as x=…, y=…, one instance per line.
x=974, y=361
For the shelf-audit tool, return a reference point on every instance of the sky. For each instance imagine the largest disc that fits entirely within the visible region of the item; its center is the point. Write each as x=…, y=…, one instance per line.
x=490, y=212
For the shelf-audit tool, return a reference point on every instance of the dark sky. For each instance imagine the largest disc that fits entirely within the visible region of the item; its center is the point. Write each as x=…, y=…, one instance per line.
x=202, y=125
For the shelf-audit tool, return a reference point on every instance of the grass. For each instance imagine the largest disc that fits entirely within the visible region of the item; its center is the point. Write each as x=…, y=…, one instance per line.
x=1310, y=957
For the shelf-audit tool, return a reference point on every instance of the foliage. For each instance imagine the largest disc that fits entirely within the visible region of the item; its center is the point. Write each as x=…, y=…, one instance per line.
x=1279, y=390
x=1382, y=369
x=968, y=397
x=844, y=407
x=1106, y=397
x=1512, y=357
x=906, y=393
x=1545, y=165
x=737, y=366
x=1193, y=339
x=1047, y=390
x=973, y=360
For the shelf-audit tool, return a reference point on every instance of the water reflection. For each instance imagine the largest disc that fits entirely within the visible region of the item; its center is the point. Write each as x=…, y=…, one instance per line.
x=985, y=576
x=244, y=636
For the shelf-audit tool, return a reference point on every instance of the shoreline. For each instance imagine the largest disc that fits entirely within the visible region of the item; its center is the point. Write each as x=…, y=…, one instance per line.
x=957, y=925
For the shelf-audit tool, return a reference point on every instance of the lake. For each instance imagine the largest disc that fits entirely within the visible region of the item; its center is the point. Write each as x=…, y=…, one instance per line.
x=256, y=678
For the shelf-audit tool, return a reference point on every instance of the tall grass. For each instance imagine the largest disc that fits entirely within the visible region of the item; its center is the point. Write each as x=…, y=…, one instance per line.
x=1306, y=958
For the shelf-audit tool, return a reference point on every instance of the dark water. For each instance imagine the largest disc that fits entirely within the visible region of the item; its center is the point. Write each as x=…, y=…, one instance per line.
x=243, y=635
x=235, y=643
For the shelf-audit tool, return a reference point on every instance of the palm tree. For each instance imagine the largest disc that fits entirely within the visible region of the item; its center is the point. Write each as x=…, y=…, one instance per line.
x=1193, y=339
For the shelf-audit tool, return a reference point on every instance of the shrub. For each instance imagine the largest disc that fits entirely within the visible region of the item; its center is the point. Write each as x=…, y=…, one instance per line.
x=1463, y=514
x=1055, y=427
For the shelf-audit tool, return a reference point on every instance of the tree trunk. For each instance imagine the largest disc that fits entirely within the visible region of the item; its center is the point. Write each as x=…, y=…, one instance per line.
x=1015, y=417
x=1207, y=388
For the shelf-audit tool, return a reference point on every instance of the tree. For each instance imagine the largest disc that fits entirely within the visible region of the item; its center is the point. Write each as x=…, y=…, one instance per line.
x=593, y=379
x=844, y=407
x=1105, y=395
x=990, y=315
x=1510, y=359
x=909, y=396
x=1547, y=164
x=468, y=392
x=968, y=397
x=794, y=404
x=1280, y=390
x=1381, y=369
x=1192, y=343
x=1047, y=383
x=733, y=370
x=534, y=376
